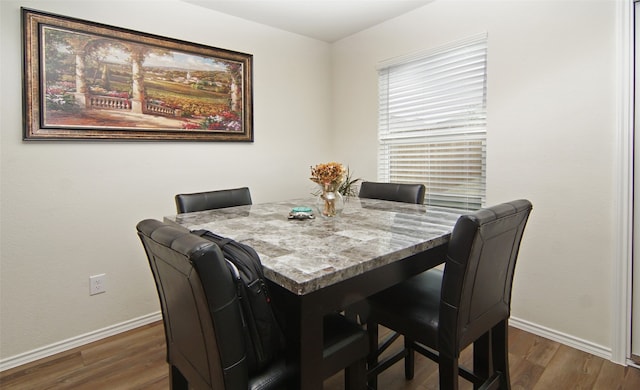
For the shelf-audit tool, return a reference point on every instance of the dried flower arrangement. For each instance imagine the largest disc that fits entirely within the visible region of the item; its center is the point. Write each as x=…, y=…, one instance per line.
x=328, y=174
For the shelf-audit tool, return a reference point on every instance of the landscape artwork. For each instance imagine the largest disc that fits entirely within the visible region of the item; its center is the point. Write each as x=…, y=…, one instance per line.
x=85, y=80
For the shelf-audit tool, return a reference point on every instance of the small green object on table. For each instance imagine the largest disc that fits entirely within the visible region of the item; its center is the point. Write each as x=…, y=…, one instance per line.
x=301, y=212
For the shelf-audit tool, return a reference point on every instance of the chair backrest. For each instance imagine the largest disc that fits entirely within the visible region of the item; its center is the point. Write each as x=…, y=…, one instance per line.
x=399, y=192
x=187, y=203
x=200, y=310
x=478, y=275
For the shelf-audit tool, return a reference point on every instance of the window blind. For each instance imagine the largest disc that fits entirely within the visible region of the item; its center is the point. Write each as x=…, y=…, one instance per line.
x=432, y=123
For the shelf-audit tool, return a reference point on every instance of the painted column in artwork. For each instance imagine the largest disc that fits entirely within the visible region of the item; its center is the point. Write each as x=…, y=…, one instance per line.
x=137, y=88
x=80, y=95
x=235, y=70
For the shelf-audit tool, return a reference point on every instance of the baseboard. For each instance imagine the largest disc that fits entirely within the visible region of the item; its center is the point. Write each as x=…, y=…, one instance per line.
x=633, y=363
x=562, y=338
x=74, y=342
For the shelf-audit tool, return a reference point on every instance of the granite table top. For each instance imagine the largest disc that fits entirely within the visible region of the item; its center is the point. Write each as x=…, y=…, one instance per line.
x=306, y=255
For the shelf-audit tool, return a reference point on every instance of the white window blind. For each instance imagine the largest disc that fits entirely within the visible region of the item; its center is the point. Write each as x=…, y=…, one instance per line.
x=432, y=123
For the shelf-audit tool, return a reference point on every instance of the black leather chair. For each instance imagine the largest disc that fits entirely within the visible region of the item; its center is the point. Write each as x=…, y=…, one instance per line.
x=203, y=324
x=198, y=201
x=441, y=313
x=399, y=192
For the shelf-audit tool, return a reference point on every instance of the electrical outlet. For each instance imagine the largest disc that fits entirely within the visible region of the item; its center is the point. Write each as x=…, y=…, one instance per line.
x=97, y=284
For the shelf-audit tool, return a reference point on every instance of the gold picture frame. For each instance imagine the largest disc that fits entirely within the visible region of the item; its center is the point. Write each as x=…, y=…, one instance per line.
x=86, y=80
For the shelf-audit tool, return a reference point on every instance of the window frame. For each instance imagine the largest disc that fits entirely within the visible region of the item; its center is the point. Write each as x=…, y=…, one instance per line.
x=444, y=115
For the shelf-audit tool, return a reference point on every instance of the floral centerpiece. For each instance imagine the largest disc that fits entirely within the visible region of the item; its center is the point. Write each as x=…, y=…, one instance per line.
x=329, y=177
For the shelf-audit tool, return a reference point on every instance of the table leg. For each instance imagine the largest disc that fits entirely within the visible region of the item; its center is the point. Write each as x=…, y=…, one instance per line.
x=311, y=349
x=303, y=329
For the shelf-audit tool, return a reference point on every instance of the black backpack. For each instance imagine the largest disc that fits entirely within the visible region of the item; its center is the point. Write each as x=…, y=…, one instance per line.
x=263, y=335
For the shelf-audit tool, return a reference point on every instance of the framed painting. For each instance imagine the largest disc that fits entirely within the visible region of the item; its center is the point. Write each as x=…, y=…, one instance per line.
x=85, y=80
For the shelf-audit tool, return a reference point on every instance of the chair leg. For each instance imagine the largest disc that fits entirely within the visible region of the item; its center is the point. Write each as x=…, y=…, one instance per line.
x=500, y=352
x=482, y=361
x=177, y=380
x=448, y=372
x=355, y=376
x=372, y=359
x=409, y=360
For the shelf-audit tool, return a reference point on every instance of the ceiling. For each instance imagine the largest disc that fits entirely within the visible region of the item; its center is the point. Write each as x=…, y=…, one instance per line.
x=326, y=20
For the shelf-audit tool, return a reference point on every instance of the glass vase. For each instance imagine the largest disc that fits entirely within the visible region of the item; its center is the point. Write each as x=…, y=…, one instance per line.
x=330, y=201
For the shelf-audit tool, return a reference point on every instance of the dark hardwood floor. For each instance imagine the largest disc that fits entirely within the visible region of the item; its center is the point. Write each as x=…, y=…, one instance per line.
x=136, y=360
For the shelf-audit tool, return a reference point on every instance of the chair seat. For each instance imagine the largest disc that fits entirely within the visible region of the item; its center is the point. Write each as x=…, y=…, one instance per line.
x=411, y=307
x=344, y=343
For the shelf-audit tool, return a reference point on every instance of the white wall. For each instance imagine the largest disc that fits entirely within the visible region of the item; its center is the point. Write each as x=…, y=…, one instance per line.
x=69, y=209
x=551, y=133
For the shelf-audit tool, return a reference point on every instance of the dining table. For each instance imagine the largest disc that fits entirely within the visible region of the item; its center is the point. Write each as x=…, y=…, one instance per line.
x=322, y=265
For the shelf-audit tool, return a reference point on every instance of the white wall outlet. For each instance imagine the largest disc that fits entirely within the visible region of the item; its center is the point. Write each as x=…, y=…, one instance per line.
x=97, y=284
